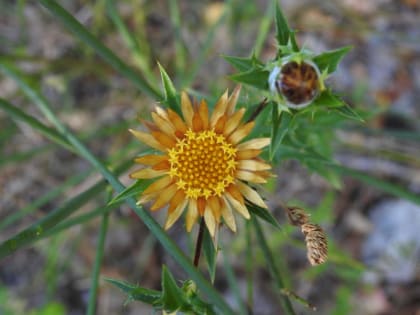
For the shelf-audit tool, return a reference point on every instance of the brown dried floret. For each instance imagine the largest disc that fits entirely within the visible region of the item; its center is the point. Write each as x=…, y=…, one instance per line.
x=316, y=243
x=297, y=216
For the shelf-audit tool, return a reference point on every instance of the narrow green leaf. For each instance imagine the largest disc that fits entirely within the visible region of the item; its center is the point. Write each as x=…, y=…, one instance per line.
x=264, y=214
x=18, y=114
x=133, y=190
x=97, y=265
x=280, y=128
x=282, y=28
x=240, y=63
x=272, y=266
x=383, y=185
x=140, y=54
x=264, y=28
x=36, y=231
x=180, y=51
x=329, y=60
x=349, y=112
x=21, y=157
x=76, y=220
x=39, y=202
x=233, y=282
x=85, y=36
x=172, y=296
x=257, y=78
x=171, y=98
x=208, y=42
x=137, y=293
x=210, y=253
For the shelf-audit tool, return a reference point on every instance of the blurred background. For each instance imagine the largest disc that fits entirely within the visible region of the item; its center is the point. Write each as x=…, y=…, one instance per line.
x=374, y=242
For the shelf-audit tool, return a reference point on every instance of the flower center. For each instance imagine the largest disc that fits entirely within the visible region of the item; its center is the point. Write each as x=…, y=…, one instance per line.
x=203, y=164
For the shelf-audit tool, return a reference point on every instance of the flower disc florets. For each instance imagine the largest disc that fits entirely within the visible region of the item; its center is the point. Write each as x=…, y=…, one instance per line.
x=203, y=164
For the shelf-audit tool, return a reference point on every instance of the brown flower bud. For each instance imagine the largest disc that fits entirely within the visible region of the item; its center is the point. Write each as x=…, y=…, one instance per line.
x=297, y=216
x=316, y=243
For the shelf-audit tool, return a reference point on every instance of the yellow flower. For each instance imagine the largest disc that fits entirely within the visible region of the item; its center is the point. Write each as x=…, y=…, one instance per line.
x=202, y=166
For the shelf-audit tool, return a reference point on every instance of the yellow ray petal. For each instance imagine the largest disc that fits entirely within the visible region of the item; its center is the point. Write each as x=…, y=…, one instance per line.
x=148, y=139
x=164, y=198
x=164, y=165
x=233, y=122
x=146, y=173
x=187, y=109
x=164, y=125
x=174, y=215
x=192, y=214
x=176, y=200
x=201, y=205
x=203, y=111
x=197, y=123
x=254, y=144
x=241, y=132
x=177, y=121
x=219, y=109
x=164, y=139
x=235, y=193
x=250, y=177
x=158, y=185
x=214, y=205
x=253, y=165
x=227, y=215
x=251, y=195
x=237, y=206
x=220, y=125
x=146, y=198
x=161, y=112
x=233, y=99
x=247, y=154
x=210, y=221
x=150, y=159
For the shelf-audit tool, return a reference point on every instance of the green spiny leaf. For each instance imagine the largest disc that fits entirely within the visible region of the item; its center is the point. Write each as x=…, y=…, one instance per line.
x=137, y=293
x=171, y=98
x=348, y=112
x=133, y=190
x=329, y=60
x=328, y=99
x=282, y=28
x=263, y=214
x=241, y=63
x=173, y=298
x=255, y=77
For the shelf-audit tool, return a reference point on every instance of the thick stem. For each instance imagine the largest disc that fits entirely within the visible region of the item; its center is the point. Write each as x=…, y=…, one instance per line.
x=258, y=110
x=199, y=243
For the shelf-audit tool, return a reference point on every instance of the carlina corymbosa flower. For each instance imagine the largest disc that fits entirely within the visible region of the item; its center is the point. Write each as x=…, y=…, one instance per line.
x=201, y=166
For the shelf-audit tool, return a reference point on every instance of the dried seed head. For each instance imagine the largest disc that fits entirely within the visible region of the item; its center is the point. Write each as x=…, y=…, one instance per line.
x=298, y=82
x=316, y=243
x=297, y=216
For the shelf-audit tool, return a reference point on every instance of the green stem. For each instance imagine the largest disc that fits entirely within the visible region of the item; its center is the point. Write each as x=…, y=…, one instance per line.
x=97, y=265
x=249, y=267
x=199, y=243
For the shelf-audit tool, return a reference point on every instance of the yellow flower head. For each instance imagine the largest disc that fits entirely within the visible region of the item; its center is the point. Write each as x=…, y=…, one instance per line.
x=202, y=166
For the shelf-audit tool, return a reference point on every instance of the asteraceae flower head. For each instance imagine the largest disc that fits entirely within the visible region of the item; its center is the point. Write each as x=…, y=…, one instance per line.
x=201, y=167
x=295, y=80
